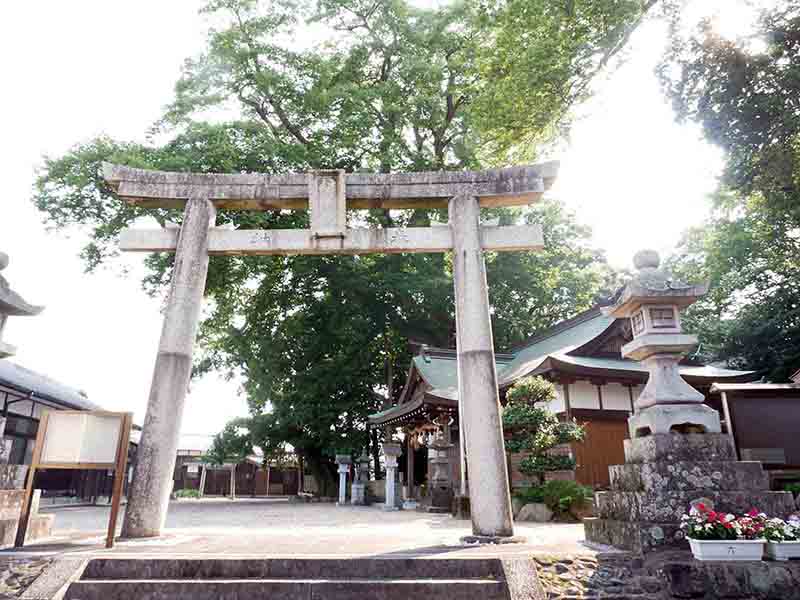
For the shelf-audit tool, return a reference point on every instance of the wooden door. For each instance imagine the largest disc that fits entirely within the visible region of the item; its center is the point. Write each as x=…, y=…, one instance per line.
x=601, y=448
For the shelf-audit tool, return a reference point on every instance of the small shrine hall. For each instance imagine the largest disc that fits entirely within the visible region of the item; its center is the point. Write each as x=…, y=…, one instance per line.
x=594, y=385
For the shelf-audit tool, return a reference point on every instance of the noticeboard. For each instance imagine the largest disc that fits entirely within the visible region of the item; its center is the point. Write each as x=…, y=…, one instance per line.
x=71, y=439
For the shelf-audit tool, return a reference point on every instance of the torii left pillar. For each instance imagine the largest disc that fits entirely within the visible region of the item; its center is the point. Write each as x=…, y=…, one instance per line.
x=148, y=497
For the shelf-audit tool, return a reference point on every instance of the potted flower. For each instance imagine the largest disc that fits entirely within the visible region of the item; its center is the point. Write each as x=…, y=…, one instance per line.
x=721, y=536
x=783, y=538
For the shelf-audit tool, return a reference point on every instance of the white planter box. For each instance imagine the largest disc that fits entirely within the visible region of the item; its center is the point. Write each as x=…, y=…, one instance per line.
x=727, y=549
x=783, y=550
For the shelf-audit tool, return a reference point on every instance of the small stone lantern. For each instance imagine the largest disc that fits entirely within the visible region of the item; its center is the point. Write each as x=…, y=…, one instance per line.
x=359, y=487
x=441, y=482
x=653, y=301
x=11, y=305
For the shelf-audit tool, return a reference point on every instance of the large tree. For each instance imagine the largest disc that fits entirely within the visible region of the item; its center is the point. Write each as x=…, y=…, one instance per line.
x=318, y=340
x=745, y=93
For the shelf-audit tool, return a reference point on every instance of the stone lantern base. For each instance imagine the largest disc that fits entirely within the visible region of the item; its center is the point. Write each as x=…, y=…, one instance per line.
x=662, y=475
x=674, y=418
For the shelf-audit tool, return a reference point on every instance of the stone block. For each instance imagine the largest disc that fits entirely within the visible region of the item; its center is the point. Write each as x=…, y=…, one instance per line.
x=11, y=503
x=687, y=578
x=669, y=506
x=673, y=448
x=358, y=494
x=637, y=537
x=39, y=526
x=535, y=511
x=686, y=476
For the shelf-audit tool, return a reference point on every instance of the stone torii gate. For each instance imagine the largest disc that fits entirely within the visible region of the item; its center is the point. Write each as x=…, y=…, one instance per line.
x=327, y=194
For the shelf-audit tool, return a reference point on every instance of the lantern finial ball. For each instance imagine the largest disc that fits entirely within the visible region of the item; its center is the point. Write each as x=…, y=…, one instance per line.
x=646, y=259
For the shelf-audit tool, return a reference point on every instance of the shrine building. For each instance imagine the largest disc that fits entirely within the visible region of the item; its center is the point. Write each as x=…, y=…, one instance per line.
x=594, y=385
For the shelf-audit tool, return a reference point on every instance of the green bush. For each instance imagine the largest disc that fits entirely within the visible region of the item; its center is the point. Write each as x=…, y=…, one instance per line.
x=792, y=487
x=187, y=493
x=564, y=498
x=531, y=494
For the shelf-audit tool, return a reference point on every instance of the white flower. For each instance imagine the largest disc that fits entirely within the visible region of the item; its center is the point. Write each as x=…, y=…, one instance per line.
x=729, y=517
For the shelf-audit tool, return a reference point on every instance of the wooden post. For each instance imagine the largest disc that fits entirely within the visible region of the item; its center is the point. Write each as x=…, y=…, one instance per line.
x=152, y=480
x=203, y=471
x=268, y=474
x=25, y=513
x=490, y=499
x=119, y=476
x=233, y=482
x=726, y=414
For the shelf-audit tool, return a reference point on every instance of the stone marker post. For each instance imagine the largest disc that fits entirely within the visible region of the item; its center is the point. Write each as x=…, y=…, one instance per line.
x=344, y=461
x=148, y=496
x=390, y=453
x=490, y=501
x=358, y=491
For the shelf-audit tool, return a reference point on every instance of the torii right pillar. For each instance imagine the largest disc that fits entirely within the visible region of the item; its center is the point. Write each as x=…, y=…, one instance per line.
x=490, y=498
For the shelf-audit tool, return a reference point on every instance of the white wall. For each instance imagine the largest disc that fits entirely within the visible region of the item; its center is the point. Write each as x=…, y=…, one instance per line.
x=583, y=394
x=616, y=397
x=556, y=406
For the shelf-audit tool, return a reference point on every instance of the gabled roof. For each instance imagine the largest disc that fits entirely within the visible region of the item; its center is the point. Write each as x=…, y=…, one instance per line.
x=26, y=382
x=552, y=349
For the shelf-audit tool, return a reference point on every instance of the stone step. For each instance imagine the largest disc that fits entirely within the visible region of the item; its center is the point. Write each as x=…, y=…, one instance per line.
x=287, y=589
x=668, y=506
x=290, y=568
x=317, y=579
x=686, y=476
x=680, y=448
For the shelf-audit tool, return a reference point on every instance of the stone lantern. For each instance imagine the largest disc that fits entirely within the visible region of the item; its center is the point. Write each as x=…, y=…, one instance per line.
x=359, y=487
x=676, y=455
x=653, y=302
x=11, y=305
x=441, y=483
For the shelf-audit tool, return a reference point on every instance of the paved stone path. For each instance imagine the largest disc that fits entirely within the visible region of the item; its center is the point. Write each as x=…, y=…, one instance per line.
x=275, y=527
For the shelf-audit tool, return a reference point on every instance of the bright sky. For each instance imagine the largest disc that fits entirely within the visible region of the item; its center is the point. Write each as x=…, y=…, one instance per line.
x=73, y=70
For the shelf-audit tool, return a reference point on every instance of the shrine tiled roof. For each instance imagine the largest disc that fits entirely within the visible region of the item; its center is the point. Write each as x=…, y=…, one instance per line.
x=541, y=353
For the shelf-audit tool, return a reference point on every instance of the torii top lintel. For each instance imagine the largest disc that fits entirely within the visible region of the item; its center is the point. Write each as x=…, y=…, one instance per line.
x=497, y=187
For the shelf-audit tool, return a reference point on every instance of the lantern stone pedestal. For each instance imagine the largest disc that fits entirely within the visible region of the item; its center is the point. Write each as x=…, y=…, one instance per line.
x=677, y=455
x=662, y=475
x=393, y=500
x=344, y=461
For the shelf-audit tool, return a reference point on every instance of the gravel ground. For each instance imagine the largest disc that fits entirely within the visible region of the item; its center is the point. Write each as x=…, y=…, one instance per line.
x=276, y=527
x=17, y=574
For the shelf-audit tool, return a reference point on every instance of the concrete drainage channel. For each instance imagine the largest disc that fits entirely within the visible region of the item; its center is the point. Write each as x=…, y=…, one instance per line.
x=306, y=579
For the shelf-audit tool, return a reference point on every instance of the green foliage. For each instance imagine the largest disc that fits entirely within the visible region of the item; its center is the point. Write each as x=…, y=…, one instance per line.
x=538, y=58
x=534, y=494
x=794, y=488
x=742, y=92
x=564, y=498
x=531, y=428
x=232, y=445
x=187, y=493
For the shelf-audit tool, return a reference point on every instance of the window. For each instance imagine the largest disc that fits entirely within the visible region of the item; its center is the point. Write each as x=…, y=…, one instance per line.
x=663, y=317
x=637, y=322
